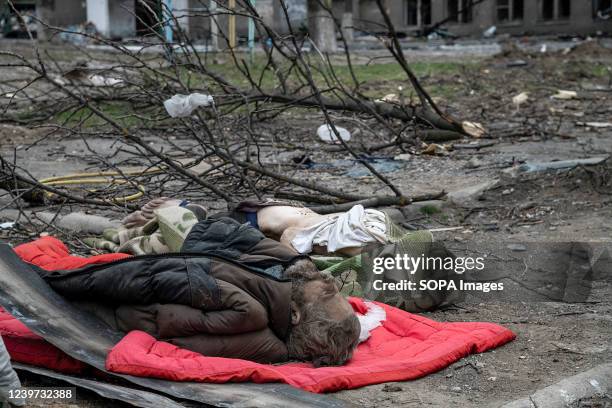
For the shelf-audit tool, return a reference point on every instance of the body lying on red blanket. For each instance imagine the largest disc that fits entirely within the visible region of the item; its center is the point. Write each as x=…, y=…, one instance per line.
x=405, y=346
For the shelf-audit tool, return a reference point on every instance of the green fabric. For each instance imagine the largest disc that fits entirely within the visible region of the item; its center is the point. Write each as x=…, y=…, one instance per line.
x=356, y=278
x=174, y=225
x=165, y=233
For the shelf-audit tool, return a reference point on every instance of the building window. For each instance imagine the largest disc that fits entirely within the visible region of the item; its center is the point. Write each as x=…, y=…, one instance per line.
x=418, y=12
x=509, y=10
x=459, y=11
x=555, y=9
x=564, y=8
x=602, y=9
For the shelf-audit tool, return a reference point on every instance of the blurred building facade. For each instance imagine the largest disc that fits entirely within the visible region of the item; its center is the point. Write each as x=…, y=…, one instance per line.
x=134, y=18
x=472, y=17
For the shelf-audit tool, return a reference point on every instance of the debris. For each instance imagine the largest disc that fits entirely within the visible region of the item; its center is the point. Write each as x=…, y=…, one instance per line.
x=403, y=156
x=517, y=63
x=573, y=349
x=421, y=209
x=557, y=165
x=473, y=145
x=380, y=164
x=180, y=106
x=434, y=149
x=474, y=163
x=516, y=247
x=445, y=229
x=544, y=48
x=561, y=94
x=520, y=99
x=390, y=98
x=489, y=32
x=392, y=388
x=569, y=390
x=474, y=129
x=507, y=191
x=456, y=389
x=303, y=160
x=327, y=135
x=83, y=73
x=492, y=378
x=467, y=195
x=7, y=225
x=595, y=124
x=99, y=80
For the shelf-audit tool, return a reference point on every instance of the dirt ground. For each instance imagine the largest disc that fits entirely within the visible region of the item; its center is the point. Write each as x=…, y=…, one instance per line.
x=554, y=339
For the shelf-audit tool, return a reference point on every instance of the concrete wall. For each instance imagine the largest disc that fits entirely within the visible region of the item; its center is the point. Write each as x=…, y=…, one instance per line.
x=59, y=13
x=122, y=19
x=298, y=15
x=112, y=18
x=484, y=15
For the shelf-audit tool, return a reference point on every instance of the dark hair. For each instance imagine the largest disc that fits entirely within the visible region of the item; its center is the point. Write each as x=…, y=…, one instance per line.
x=317, y=337
x=322, y=340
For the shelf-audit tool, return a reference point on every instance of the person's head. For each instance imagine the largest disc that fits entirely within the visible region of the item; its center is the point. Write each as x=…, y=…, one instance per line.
x=324, y=328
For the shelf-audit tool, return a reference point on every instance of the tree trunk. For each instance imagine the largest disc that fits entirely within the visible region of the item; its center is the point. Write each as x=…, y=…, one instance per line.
x=321, y=26
x=347, y=21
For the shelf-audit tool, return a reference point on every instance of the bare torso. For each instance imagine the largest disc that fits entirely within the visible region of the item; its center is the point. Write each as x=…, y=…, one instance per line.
x=284, y=222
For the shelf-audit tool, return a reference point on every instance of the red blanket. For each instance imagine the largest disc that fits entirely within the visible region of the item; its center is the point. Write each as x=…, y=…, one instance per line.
x=406, y=346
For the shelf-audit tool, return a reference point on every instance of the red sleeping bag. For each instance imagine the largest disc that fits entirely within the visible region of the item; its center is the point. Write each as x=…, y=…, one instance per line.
x=406, y=346
x=23, y=345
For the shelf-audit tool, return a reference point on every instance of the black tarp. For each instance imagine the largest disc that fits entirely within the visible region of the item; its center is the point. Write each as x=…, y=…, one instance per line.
x=27, y=297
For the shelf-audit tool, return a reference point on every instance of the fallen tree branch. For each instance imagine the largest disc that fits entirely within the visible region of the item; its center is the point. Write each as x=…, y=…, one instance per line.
x=375, y=202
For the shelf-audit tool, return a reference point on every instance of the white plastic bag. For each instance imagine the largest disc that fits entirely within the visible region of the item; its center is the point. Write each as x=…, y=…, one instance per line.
x=99, y=80
x=326, y=134
x=180, y=106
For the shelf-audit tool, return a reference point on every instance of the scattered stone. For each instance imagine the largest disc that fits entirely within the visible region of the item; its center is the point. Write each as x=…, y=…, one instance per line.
x=567, y=392
x=562, y=94
x=404, y=156
x=392, y=388
x=422, y=208
x=517, y=63
x=326, y=133
x=507, y=191
x=516, y=247
x=468, y=195
x=474, y=129
x=474, y=163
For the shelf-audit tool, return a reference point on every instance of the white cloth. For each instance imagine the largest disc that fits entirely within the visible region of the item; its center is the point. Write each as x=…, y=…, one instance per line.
x=354, y=228
x=180, y=106
x=371, y=320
